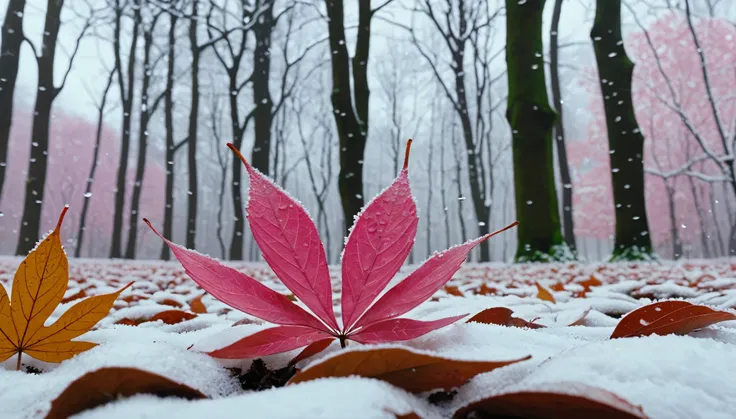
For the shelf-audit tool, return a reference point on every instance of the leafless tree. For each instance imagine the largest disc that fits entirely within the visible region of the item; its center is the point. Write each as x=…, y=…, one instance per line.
x=47, y=92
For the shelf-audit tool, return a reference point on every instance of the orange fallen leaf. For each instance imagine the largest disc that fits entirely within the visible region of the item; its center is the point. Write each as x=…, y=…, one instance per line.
x=107, y=384
x=39, y=286
x=453, y=290
x=401, y=367
x=486, y=290
x=502, y=316
x=544, y=294
x=557, y=286
x=590, y=282
x=171, y=303
x=573, y=400
x=197, y=306
x=668, y=317
x=313, y=349
x=173, y=316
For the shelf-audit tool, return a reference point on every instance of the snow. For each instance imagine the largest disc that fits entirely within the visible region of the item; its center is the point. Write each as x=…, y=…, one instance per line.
x=669, y=376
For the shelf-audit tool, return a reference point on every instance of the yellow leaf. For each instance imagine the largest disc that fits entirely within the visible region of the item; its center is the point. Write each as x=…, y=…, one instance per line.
x=38, y=287
x=543, y=294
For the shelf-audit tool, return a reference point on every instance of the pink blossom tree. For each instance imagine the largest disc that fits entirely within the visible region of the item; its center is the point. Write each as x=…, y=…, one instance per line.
x=684, y=153
x=71, y=146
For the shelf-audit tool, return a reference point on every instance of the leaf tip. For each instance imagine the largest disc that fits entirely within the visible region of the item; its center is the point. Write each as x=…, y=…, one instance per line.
x=406, y=154
x=148, y=223
x=239, y=154
x=61, y=218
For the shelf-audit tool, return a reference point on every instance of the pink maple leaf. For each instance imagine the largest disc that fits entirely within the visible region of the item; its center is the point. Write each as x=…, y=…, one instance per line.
x=377, y=246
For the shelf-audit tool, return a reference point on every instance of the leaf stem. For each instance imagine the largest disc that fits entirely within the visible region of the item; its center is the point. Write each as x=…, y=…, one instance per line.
x=343, y=341
x=17, y=366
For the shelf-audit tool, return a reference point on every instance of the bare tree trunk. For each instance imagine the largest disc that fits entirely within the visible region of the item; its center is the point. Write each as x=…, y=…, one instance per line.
x=701, y=219
x=126, y=97
x=531, y=120
x=568, y=228
x=625, y=140
x=170, y=146
x=263, y=113
x=674, y=230
x=716, y=222
x=146, y=111
x=351, y=122
x=459, y=185
x=192, y=192
x=93, y=168
x=36, y=181
x=12, y=39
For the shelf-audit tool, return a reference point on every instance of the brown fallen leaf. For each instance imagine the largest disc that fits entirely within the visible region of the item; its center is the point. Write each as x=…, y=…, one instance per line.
x=171, y=303
x=196, y=305
x=502, y=316
x=39, y=286
x=557, y=286
x=485, y=290
x=107, y=384
x=453, y=290
x=590, y=282
x=573, y=400
x=668, y=317
x=544, y=294
x=401, y=367
x=313, y=349
x=173, y=316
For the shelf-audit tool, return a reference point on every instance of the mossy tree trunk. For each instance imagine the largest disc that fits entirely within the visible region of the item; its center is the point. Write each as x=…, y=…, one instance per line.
x=531, y=119
x=625, y=140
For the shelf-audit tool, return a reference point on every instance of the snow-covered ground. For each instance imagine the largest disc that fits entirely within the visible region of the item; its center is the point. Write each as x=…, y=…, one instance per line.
x=668, y=376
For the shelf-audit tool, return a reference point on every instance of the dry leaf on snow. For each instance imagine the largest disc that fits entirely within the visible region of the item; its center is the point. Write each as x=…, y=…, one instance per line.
x=668, y=317
x=39, y=286
x=173, y=316
x=107, y=384
x=404, y=368
x=502, y=316
x=571, y=400
x=311, y=350
x=197, y=306
x=544, y=294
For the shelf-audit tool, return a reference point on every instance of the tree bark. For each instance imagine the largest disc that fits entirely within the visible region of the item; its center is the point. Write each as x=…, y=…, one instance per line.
x=352, y=123
x=12, y=39
x=37, y=165
x=625, y=140
x=531, y=119
x=236, y=244
x=170, y=146
x=192, y=192
x=263, y=114
x=144, y=117
x=568, y=227
x=126, y=98
x=674, y=228
x=93, y=168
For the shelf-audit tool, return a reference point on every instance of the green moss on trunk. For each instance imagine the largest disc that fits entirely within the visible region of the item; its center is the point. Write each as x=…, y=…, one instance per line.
x=625, y=140
x=532, y=119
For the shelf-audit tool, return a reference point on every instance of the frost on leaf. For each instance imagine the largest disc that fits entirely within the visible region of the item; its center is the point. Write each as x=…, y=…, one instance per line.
x=38, y=288
x=668, y=317
x=412, y=371
x=377, y=246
